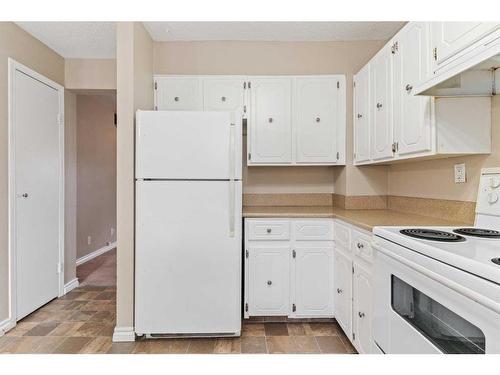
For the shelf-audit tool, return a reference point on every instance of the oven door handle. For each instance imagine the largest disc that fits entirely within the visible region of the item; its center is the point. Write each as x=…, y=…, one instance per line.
x=486, y=302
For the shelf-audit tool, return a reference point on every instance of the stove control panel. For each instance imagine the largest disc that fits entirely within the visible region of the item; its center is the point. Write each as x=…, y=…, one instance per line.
x=488, y=198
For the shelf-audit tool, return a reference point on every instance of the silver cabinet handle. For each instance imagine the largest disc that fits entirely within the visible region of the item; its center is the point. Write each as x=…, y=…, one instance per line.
x=25, y=195
x=269, y=230
x=361, y=314
x=379, y=105
x=270, y=120
x=318, y=119
x=408, y=88
x=360, y=115
x=223, y=98
x=360, y=245
x=176, y=99
x=269, y=282
x=339, y=291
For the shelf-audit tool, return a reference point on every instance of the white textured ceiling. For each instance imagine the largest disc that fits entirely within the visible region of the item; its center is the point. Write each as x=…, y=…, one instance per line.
x=272, y=31
x=90, y=40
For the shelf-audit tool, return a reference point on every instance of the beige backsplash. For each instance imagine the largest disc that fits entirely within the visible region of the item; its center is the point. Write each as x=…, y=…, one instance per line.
x=459, y=211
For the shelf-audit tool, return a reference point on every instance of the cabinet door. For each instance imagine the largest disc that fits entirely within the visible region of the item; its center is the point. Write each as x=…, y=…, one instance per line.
x=450, y=38
x=224, y=94
x=270, y=121
x=381, y=105
x=412, y=114
x=342, y=302
x=316, y=112
x=268, y=280
x=362, y=115
x=362, y=310
x=313, y=281
x=178, y=94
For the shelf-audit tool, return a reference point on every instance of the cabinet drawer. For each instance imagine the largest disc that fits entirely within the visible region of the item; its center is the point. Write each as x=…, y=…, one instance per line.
x=269, y=230
x=361, y=245
x=343, y=236
x=313, y=230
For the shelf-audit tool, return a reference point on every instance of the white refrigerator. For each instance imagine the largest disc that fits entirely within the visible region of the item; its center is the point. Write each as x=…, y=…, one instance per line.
x=188, y=223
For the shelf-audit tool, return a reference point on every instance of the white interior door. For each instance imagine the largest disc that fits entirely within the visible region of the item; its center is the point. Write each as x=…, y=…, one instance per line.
x=316, y=106
x=36, y=192
x=412, y=114
x=313, y=281
x=362, y=115
x=188, y=257
x=270, y=121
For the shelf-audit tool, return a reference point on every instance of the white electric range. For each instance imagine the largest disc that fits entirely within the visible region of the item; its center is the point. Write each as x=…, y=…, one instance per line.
x=437, y=289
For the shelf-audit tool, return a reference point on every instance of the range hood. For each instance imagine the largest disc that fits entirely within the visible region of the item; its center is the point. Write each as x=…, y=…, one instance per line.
x=474, y=73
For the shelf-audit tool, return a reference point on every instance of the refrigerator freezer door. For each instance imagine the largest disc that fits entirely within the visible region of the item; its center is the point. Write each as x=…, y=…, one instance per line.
x=188, y=263
x=188, y=145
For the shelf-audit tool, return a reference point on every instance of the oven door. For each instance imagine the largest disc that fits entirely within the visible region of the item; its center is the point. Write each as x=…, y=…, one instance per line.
x=415, y=314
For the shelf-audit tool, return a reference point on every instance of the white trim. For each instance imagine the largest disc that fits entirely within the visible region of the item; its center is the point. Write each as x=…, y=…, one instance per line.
x=69, y=286
x=123, y=334
x=14, y=66
x=6, y=325
x=95, y=253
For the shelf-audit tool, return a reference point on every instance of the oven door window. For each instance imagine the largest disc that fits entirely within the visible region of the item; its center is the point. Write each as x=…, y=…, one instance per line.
x=446, y=330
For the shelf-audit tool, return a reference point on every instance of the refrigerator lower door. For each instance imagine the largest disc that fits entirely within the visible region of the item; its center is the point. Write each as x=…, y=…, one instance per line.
x=188, y=257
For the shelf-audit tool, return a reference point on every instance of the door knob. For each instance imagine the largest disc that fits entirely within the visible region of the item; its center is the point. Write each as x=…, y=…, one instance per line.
x=379, y=105
x=361, y=314
x=318, y=119
x=339, y=291
x=270, y=119
x=360, y=245
x=25, y=195
x=269, y=230
x=223, y=98
x=408, y=88
x=269, y=282
x=360, y=115
x=176, y=98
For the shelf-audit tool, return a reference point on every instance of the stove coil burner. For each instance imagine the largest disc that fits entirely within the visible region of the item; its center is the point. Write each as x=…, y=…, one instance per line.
x=433, y=235
x=478, y=232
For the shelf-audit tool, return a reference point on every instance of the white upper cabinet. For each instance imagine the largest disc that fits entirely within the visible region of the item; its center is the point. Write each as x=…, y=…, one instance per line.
x=406, y=126
x=313, y=281
x=451, y=38
x=224, y=94
x=412, y=114
x=319, y=114
x=381, y=105
x=179, y=93
x=362, y=115
x=270, y=121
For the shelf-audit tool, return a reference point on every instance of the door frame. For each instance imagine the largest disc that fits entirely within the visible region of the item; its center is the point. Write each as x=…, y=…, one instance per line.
x=14, y=66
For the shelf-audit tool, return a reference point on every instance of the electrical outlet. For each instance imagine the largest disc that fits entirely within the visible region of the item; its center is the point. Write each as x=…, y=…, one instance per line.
x=89, y=240
x=460, y=176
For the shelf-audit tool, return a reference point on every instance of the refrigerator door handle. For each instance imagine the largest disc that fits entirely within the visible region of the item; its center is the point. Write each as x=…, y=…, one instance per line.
x=232, y=166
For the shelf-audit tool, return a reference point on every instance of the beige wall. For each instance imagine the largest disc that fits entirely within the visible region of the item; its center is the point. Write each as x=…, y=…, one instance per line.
x=96, y=192
x=19, y=45
x=70, y=185
x=435, y=178
x=90, y=74
x=266, y=58
x=134, y=91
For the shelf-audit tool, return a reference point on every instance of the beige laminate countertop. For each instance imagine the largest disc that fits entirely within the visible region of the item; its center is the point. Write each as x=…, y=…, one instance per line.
x=365, y=219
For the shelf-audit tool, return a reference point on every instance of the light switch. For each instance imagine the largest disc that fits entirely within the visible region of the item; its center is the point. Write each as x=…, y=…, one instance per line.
x=460, y=176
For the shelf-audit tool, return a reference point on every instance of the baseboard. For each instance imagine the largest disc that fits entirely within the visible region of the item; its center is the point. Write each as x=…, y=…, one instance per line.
x=96, y=253
x=6, y=325
x=68, y=287
x=123, y=334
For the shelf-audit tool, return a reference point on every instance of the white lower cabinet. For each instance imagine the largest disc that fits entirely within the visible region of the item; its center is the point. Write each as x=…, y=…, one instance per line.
x=353, y=287
x=268, y=275
x=289, y=275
